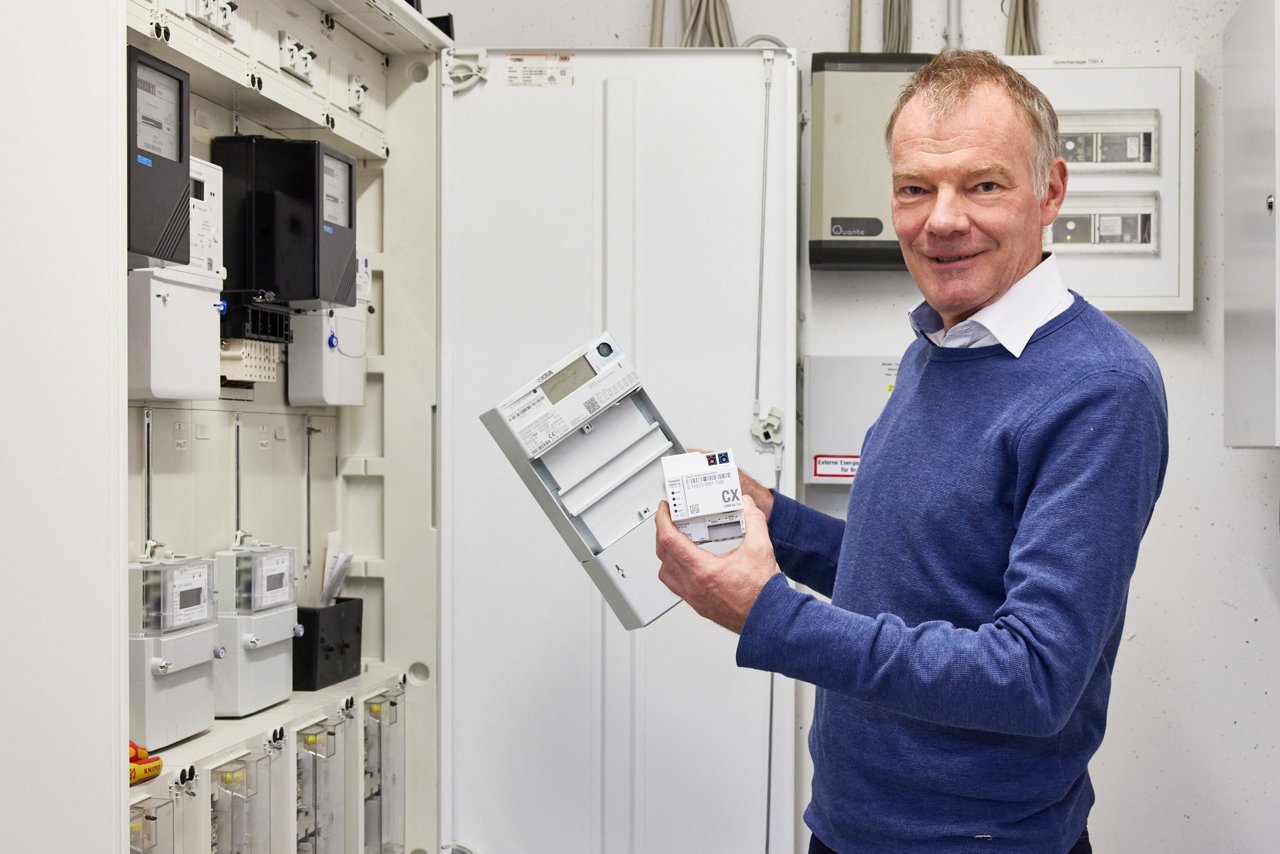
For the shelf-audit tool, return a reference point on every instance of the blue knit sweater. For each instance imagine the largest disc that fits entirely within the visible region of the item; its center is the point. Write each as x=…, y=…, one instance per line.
x=977, y=593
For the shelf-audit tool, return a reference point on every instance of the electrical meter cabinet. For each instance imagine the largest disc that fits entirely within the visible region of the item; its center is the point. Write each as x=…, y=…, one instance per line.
x=588, y=442
x=173, y=642
x=257, y=621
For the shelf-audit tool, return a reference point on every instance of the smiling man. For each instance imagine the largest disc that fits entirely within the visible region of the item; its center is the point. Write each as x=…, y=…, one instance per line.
x=978, y=586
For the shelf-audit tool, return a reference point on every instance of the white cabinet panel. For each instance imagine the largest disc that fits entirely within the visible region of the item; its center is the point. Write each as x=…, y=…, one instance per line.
x=585, y=191
x=1252, y=313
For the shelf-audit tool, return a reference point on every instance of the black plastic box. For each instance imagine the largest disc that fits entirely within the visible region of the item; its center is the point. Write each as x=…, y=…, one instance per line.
x=329, y=649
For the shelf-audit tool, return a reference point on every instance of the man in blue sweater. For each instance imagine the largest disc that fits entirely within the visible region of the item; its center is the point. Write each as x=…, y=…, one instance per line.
x=978, y=587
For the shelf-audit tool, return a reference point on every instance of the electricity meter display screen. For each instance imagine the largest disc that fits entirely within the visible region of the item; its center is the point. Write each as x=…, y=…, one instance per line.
x=568, y=379
x=187, y=602
x=337, y=192
x=189, y=598
x=264, y=579
x=158, y=113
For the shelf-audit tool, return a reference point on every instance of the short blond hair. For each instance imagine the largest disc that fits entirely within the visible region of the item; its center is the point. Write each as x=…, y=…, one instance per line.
x=949, y=79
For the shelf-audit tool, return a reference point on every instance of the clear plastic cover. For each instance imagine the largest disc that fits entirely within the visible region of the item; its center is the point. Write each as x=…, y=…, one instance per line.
x=151, y=827
x=241, y=820
x=322, y=787
x=384, y=760
x=264, y=578
x=171, y=595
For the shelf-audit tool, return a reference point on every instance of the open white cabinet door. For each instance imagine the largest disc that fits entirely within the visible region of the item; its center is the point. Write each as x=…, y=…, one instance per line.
x=585, y=191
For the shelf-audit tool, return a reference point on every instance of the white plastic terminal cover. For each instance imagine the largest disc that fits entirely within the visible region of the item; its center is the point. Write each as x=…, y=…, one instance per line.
x=705, y=495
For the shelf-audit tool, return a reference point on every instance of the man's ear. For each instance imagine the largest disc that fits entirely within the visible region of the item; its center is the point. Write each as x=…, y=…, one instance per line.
x=1055, y=193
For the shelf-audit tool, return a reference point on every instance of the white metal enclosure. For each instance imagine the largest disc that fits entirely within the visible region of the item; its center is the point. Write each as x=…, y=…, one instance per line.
x=626, y=195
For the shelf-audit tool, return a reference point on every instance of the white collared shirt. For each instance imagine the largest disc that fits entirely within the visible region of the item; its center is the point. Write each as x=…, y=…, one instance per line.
x=1010, y=321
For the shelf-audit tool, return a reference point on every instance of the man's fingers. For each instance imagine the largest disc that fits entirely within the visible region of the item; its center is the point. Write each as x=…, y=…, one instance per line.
x=756, y=539
x=754, y=520
x=670, y=543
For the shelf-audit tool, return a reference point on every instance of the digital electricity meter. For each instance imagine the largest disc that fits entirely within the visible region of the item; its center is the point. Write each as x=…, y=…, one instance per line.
x=257, y=622
x=588, y=442
x=261, y=577
x=171, y=595
x=173, y=643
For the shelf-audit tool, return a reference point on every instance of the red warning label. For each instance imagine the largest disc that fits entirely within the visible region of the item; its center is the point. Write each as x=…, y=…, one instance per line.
x=835, y=465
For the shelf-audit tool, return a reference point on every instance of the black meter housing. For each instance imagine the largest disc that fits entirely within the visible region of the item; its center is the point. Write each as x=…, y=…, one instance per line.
x=159, y=145
x=290, y=221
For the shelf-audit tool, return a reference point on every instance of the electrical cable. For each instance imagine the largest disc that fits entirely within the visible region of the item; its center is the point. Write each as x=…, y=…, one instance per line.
x=855, y=26
x=897, y=26
x=764, y=37
x=1021, y=37
x=657, y=22
x=765, y=428
x=707, y=23
x=764, y=214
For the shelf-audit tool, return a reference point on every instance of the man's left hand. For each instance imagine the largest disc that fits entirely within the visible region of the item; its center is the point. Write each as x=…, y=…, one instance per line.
x=721, y=588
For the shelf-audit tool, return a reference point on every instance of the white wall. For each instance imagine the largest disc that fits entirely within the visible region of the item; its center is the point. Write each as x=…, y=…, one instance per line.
x=1191, y=760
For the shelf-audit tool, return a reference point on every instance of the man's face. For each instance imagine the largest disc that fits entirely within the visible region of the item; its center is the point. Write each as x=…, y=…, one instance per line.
x=964, y=207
